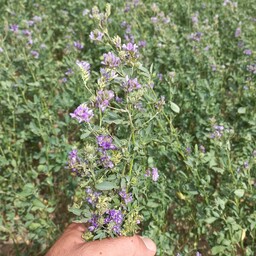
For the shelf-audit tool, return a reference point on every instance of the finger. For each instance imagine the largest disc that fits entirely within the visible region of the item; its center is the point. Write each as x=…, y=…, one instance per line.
x=122, y=246
x=70, y=240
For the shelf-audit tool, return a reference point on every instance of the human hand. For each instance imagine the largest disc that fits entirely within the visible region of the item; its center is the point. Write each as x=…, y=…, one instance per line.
x=72, y=244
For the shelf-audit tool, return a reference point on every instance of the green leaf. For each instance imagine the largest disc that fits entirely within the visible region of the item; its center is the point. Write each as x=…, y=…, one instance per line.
x=239, y=193
x=219, y=170
x=152, y=204
x=112, y=117
x=106, y=185
x=175, y=108
x=34, y=226
x=28, y=190
x=218, y=249
x=143, y=69
x=85, y=134
x=210, y=220
x=241, y=110
x=38, y=203
x=75, y=211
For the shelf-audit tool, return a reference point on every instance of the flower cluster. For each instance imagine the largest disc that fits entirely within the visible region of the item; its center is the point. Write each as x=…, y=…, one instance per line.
x=112, y=220
x=73, y=160
x=92, y=197
x=152, y=172
x=103, y=98
x=252, y=68
x=82, y=113
x=110, y=60
x=218, y=132
x=127, y=197
x=107, y=74
x=195, y=36
x=78, y=45
x=131, y=84
x=96, y=35
x=84, y=66
x=105, y=142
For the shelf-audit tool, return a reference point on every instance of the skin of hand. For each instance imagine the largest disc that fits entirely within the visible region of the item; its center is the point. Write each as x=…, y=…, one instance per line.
x=72, y=244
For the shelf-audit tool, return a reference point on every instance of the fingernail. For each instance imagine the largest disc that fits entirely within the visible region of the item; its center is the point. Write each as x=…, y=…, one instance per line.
x=149, y=243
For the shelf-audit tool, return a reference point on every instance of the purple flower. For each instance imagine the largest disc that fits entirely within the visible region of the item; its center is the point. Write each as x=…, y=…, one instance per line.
x=14, y=27
x=93, y=223
x=202, y=148
x=252, y=68
x=30, y=23
x=35, y=54
x=26, y=32
x=218, y=131
x=92, y=197
x=226, y=2
x=110, y=60
x=160, y=103
x=128, y=29
x=96, y=36
x=124, y=24
x=139, y=106
x=103, y=98
x=214, y=68
x=69, y=72
x=207, y=48
x=130, y=47
x=84, y=66
x=78, y=45
x=1, y=49
x=154, y=20
x=148, y=173
x=131, y=84
x=115, y=215
x=30, y=41
x=106, y=161
x=64, y=80
x=188, y=150
x=82, y=113
x=37, y=19
x=238, y=32
x=126, y=197
x=108, y=74
x=73, y=160
x=246, y=165
x=247, y=52
x=129, y=38
x=118, y=99
x=194, y=18
x=153, y=172
x=166, y=20
x=198, y=254
x=142, y=43
x=160, y=76
x=127, y=8
x=196, y=36
x=105, y=142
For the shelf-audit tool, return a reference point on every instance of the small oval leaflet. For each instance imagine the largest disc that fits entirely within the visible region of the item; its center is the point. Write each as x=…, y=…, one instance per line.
x=106, y=185
x=175, y=108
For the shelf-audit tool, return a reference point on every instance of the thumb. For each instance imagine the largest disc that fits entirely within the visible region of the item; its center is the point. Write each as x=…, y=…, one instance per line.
x=122, y=246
